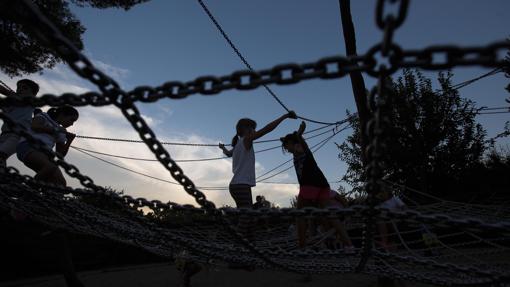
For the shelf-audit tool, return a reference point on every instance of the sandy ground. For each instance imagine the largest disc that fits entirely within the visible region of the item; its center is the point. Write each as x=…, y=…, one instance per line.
x=166, y=275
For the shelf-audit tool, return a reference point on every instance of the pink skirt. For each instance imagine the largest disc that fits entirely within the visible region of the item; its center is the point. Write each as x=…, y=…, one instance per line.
x=313, y=193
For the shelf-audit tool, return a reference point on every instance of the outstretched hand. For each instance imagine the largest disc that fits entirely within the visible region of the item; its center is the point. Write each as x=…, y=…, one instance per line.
x=221, y=146
x=302, y=128
x=70, y=136
x=292, y=115
x=302, y=125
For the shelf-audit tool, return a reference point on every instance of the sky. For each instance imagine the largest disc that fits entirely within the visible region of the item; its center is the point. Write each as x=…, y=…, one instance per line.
x=161, y=41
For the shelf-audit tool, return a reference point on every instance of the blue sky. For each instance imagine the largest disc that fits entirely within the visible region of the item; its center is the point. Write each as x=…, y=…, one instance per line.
x=161, y=41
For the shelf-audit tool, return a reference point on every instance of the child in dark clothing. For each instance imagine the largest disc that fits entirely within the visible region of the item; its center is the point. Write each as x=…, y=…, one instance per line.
x=314, y=189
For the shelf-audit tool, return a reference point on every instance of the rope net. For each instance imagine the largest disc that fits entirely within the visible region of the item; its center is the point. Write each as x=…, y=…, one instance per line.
x=442, y=242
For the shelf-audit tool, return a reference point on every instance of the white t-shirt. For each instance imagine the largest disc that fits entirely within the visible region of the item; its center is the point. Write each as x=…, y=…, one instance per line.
x=243, y=164
x=21, y=115
x=393, y=203
x=47, y=139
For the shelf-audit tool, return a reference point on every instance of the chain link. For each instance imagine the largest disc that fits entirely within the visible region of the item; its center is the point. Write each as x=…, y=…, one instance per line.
x=431, y=58
x=378, y=99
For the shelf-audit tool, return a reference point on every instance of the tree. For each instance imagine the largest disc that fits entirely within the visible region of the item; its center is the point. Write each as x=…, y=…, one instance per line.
x=431, y=139
x=21, y=53
x=357, y=81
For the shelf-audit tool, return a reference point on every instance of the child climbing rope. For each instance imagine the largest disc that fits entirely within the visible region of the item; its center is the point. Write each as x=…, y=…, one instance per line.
x=314, y=189
x=50, y=128
x=21, y=114
x=243, y=157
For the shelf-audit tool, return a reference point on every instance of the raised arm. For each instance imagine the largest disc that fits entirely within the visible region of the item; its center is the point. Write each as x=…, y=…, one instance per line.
x=7, y=92
x=300, y=132
x=62, y=148
x=248, y=140
x=302, y=128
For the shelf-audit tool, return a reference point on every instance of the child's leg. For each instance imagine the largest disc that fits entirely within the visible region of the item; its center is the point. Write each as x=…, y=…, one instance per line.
x=302, y=227
x=341, y=232
x=243, y=198
x=241, y=195
x=8, y=143
x=302, y=223
x=58, y=178
x=45, y=169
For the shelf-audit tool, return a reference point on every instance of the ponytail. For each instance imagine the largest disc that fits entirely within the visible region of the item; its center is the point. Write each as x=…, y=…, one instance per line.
x=292, y=138
x=235, y=139
x=242, y=124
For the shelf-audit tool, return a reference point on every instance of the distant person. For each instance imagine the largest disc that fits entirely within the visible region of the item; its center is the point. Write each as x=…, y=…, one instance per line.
x=265, y=202
x=22, y=115
x=391, y=202
x=243, y=157
x=50, y=128
x=259, y=202
x=314, y=189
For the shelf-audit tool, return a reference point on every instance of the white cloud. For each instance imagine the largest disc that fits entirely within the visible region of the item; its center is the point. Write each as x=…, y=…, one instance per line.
x=116, y=73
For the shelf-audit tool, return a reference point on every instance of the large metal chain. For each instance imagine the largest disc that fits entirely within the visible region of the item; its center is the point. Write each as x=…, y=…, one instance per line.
x=378, y=98
x=431, y=58
x=132, y=114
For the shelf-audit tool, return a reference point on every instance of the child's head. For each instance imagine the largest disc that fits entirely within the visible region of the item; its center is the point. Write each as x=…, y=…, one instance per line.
x=259, y=198
x=244, y=127
x=26, y=88
x=292, y=143
x=65, y=115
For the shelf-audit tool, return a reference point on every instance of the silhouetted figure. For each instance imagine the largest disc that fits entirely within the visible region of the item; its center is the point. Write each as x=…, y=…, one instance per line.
x=314, y=189
x=243, y=162
x=243, y=157
x=22, y=115
x=261, y=202
x=50, y=128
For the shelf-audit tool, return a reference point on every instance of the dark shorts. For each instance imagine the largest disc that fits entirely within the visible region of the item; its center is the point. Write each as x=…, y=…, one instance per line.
x=23, y=149
x=241, y=193
x=313, y=193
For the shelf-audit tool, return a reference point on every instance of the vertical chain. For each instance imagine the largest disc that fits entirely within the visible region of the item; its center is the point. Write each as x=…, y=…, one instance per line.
x=378, y=98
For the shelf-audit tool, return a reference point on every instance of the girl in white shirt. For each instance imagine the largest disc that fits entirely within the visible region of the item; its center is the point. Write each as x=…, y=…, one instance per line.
x=243, y=157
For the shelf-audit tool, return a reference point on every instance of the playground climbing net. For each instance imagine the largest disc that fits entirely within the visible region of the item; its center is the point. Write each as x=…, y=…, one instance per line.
x=468, y=246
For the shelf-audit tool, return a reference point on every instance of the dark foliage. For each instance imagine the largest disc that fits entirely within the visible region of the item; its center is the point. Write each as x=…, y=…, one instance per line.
x=21, y=53
x=431, y=140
